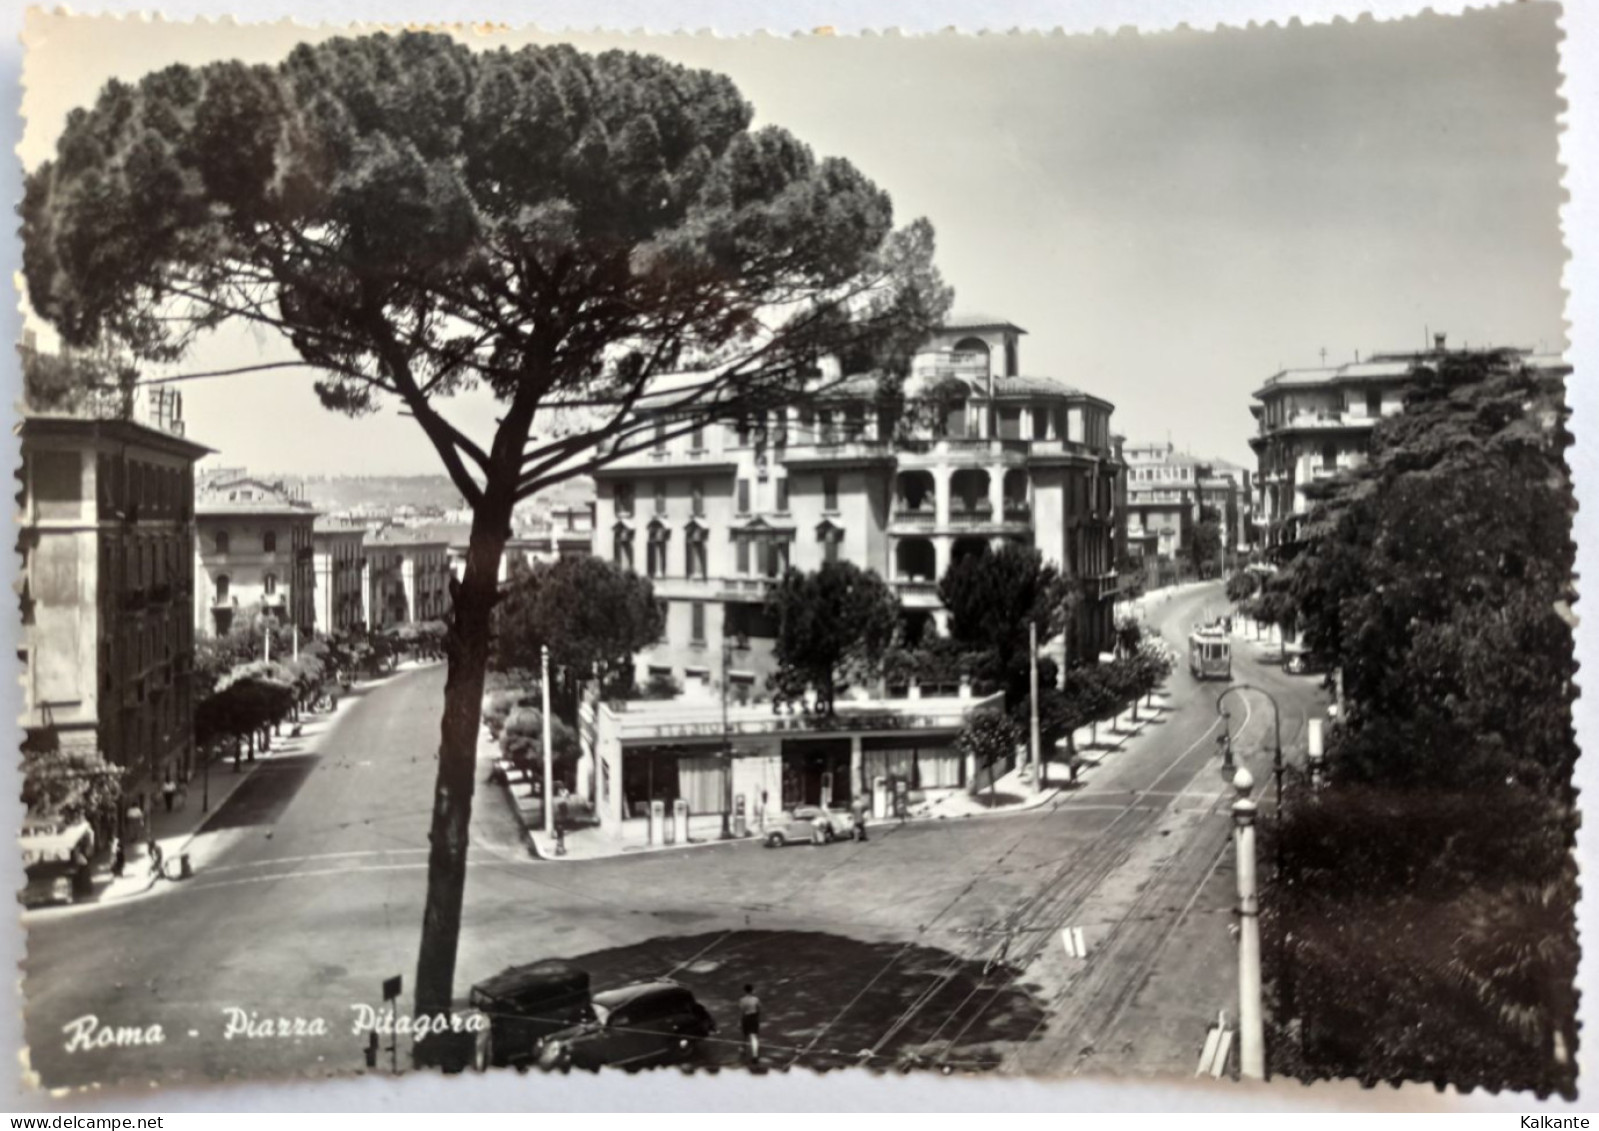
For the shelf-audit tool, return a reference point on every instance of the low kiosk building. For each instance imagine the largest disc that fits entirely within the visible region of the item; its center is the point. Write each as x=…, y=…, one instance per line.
x=644, y=753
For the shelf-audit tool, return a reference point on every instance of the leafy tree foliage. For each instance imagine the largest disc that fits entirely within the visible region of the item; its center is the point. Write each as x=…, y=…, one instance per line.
x=594, y=616
x=834, y=628
x=992, y=598
x=1205, y=546
x=1439, y=579
x=417, y=218
x=989, y=738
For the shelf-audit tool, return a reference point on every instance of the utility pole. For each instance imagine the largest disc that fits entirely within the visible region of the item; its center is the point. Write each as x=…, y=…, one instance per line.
x=1035, y=745
x=1251, y=1023
x=549, y=762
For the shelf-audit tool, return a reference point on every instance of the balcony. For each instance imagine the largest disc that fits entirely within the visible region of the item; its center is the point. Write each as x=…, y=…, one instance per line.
x=746, y=588
x=1322, y=420
x=917, y=592
x=1018, y=510
x=919, y=517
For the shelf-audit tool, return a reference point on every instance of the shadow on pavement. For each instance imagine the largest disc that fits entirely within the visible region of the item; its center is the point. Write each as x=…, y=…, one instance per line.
x=827, y=999
x=262, y=798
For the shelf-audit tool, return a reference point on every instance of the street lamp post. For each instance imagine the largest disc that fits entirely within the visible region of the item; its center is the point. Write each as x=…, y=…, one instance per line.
x=1277, y=722
x=727, y=744
x=1251, y=1021
x=549, y=761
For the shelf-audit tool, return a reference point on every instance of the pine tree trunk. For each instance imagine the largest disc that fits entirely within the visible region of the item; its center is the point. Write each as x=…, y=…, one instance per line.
x=468, y=653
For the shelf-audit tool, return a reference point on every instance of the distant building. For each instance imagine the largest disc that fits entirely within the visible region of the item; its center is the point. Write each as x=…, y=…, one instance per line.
x=407, y=577
x=254, y=545
x=106, y=537
x=715, y=517
x=1162, y=499
x=1316, y=424
x=339, y=563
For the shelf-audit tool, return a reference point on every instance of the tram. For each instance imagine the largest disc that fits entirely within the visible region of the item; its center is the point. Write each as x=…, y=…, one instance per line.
x=1210, y=654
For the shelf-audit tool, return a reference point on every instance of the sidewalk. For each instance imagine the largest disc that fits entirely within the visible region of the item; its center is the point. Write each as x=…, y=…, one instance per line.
x=1016, y=794
x=178, y=831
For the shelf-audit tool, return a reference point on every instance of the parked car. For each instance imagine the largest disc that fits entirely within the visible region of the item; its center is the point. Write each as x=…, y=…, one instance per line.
x=55, y=858
x=799, y=827
x=523, y=1005
x=1298, y=660
x=636, y=1026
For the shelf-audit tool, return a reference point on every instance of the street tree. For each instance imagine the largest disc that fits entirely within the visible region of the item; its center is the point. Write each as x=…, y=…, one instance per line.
x=993, y=597
x=989, y=738
x=417, y=218
x=834, y=628
x=1205, y=546
x=593, y=615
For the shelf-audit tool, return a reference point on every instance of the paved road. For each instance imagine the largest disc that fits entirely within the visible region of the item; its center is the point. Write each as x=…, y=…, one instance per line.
x=312, y=880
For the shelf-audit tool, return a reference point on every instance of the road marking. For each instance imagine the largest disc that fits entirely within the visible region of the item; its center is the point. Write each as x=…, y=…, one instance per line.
x=321, y=856
x=1076, y=945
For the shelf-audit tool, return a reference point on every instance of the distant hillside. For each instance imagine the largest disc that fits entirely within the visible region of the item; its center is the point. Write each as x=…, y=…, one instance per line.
x=382, y=492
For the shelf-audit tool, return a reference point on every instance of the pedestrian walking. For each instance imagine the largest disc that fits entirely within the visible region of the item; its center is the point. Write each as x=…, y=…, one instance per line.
x=119, y=858
x=749, y=1018
x=156, y=859
x=169, y=790
x=857, y=813
x=819, y=828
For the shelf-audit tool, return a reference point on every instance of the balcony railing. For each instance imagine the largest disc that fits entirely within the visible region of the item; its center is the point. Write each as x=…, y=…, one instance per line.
x=914, y=516
x=1018, y=510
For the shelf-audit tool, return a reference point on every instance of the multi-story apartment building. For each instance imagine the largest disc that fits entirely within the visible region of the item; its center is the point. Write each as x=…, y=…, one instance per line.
x=106, y=537
x=1163, y=488
x=338, y=561
x=716, y=517
x=254, y=544
x=1315, y=424
x=407, y=577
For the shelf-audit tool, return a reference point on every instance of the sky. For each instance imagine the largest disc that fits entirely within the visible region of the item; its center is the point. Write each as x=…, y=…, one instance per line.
x=1172, y=217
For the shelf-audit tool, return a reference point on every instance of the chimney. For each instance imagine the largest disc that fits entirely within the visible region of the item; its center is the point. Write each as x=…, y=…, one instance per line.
x=1438, y=342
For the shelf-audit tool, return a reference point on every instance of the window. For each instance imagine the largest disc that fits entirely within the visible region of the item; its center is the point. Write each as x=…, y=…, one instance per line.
x=1329, y=456
x=694, y=553
x=660, y=497
x=222, y=588
x=622, y=547
x=624, y=499
x=696, y=438
x=830, y=491
x=782, y=496
x=222, y=541
x=829, y=536
x=697, y=622
x=742, y=433
x=269, y=542
x=269, y=584
x=743, y=496
x=1373, y=402
x=743, y=548
x=660, y=435
x=664, y=609
x=656, y=562
x=696, y=490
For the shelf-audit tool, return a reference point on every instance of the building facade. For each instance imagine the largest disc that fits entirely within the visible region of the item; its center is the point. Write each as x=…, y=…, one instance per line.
x=1316, y=424
x=1163, y=488
x=715, y=518
x=254, y=544
x=106, y=537
x=407, y=577
x=337, y=554
x=674, y=758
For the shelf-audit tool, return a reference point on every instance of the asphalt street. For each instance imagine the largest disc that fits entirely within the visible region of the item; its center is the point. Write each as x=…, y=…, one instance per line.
x=936, y=943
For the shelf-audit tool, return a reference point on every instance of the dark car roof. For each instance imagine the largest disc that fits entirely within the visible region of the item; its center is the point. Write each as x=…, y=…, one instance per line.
x=624, y=994
x=545, y=978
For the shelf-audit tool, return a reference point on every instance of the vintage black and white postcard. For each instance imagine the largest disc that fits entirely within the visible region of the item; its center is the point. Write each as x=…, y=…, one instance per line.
x=1019, y=556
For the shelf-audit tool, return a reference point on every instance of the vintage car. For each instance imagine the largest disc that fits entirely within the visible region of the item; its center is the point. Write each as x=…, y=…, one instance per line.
x=55, y=860
x=524, y=1004
x=636, y=1026
x=799, y=827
